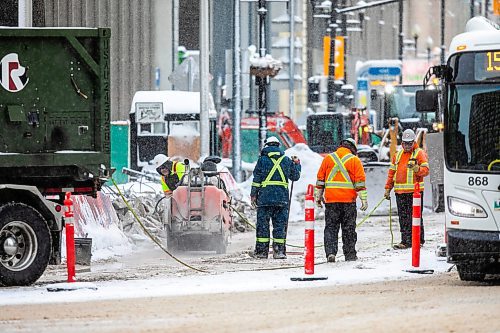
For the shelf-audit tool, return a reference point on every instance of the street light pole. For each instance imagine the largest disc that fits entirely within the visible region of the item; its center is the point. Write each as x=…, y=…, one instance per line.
x=344, y=34
x=416, y=34
x=400, y=36
x=204, y=84
x=261, y=81
x=443, y=14
x=236, y=156
x=332, y=65
x=429, y=45
x=291, y=67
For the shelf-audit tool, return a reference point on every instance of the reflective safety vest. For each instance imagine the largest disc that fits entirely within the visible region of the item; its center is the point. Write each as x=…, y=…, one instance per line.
x=342, y=176
x=177, y=168
x=276, y=167
x=339, y=167
x=409, y=184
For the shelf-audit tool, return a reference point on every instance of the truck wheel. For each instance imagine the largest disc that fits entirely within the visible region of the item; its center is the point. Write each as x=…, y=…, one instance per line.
x=25, y=245
x=470, y=273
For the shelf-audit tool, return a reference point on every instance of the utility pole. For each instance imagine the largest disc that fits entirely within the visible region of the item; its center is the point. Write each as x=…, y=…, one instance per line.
x=236, y=100
x=175, y=34
x=204, y=91
x=331, y=65
x=261, y=81
x=400, y=36
x=443, y=16
x=291, y=67
x=25, y=13
x=344, y=34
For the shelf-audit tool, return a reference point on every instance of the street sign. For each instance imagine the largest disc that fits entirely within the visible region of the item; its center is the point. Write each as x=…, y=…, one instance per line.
x=384, y=71
x=362, y=84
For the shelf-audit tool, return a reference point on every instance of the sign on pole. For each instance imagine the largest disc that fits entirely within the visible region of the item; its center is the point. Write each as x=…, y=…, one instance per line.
x=326, y=54
x=338, y=58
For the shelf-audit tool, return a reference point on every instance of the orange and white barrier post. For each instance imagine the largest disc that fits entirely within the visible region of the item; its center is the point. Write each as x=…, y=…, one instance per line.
x=70, y=237
x=309, y=239
x=309, y=231
x=415, y=231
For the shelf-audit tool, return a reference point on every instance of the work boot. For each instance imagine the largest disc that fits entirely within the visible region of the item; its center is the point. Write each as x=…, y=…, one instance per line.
x=258, y=255
x=351, y=258
x=401, y=246
x=279, y=251
x=261, y=250
x=330, y=258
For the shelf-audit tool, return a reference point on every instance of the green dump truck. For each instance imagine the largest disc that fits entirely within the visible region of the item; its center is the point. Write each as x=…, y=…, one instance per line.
x=54, y=138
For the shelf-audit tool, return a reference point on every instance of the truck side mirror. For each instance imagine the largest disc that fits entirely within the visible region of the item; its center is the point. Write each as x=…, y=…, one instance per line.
x=426, y=100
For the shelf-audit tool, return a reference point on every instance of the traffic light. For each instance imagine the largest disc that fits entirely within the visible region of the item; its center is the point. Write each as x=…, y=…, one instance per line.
x=313, y=90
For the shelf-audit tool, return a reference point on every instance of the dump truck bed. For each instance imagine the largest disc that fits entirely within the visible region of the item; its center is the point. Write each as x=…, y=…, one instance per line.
x=54, y=108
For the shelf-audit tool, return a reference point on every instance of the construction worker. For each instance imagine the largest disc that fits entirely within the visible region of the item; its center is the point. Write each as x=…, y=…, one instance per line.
x=171, y=172
x=341, y=178
x=408, y=166
x=269, y=195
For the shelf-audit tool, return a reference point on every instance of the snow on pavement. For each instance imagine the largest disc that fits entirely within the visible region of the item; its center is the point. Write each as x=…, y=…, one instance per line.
x=382, y=268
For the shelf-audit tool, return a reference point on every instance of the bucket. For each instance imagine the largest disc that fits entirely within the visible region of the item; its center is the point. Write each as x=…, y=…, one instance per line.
x=83, y=251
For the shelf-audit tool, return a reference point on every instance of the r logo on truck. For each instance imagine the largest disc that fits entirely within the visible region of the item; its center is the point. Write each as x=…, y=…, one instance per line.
x=13, y=75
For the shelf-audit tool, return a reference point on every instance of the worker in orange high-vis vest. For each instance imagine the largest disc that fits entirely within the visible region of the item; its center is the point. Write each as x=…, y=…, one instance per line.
x=340, y=180
x=408, y=166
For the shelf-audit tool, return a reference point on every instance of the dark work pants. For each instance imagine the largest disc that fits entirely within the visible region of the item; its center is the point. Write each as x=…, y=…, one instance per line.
x=405, y=213
x=279, y=217
x=340, y=215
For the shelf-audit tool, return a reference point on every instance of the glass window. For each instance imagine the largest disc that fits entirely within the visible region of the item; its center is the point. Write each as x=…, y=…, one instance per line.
x=472, y=135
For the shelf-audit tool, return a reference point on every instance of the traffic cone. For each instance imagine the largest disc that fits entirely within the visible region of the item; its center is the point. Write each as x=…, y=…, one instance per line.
x=415, y=233
x=309, y=239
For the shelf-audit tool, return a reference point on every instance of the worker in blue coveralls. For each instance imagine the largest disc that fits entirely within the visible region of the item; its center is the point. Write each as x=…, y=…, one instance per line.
x=271, y=198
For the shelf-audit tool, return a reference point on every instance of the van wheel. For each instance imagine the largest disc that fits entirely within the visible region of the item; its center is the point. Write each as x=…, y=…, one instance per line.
x=25, y=245
x=470, y=273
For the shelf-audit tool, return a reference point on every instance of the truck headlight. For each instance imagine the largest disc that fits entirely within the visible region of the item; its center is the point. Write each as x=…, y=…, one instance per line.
x=464, y=208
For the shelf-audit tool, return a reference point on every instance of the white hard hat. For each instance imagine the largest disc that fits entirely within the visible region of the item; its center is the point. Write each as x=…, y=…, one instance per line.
x=270, y=140
x=408, y=135
x=159, y=160
x=352, y=142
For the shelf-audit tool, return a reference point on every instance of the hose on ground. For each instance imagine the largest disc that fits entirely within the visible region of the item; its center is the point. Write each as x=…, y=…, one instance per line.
x=150, y=235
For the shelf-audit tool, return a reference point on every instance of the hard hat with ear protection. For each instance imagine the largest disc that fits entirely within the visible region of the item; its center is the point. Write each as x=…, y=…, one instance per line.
x=271, y=141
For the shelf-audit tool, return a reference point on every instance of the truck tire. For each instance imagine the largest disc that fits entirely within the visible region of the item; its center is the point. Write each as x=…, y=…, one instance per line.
x=470, y=273
x=25, y=244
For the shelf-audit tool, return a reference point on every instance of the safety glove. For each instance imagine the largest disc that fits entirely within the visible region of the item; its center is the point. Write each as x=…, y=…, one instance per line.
x=412, y=165
x=363, y=195
x=253, y=202
x=319, y=198
x=387, y=194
